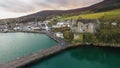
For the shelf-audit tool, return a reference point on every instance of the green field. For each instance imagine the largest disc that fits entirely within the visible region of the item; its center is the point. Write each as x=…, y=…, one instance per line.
x=106, y=15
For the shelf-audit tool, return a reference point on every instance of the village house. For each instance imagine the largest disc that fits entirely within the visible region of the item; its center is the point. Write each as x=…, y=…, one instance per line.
x=3, y=27
x=114, y=24
x=61, y=24
x=44, y=26
x=59, y=34
x=20, y=26
x=29, y=26
x=80, y=25
x=46, y=21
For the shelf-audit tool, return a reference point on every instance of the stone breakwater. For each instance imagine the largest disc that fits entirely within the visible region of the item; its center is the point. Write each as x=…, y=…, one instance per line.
x=38, y=56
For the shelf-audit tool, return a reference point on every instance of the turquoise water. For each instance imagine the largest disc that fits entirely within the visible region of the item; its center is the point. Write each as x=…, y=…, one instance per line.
x=83, y=57
x=14, y=45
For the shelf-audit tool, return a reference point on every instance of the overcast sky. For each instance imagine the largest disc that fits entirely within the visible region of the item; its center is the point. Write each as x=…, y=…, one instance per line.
x=16, y=8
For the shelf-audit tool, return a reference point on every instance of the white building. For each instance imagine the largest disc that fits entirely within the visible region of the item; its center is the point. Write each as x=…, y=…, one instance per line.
x=44, y=26
x=61, y=24
x=59, y=34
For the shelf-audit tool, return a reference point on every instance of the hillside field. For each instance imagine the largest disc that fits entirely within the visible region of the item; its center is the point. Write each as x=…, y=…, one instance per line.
x=106, y=15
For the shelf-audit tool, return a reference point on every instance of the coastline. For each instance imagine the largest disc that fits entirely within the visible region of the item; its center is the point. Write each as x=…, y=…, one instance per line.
x=50, y=34
x=40, y=55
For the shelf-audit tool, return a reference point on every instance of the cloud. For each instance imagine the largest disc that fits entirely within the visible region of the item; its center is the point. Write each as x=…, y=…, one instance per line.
x=7, y=14
x=23, y=6
x=16, y=8
x=64, y=4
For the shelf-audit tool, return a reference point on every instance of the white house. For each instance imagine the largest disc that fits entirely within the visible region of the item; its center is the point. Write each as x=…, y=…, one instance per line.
x=114, y=23
x=59, y=34
x=61, y=24
x=16, y=28
x=44, y=26
x=3, y=27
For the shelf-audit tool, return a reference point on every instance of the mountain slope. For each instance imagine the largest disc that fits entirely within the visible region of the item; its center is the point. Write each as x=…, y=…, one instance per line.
x=102, y=6
x=107, y=15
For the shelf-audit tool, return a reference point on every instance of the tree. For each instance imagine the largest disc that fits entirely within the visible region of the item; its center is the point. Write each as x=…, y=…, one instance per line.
x=68, y=35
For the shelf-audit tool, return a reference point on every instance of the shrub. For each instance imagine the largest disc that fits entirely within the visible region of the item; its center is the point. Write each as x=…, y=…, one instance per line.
x=68, y=35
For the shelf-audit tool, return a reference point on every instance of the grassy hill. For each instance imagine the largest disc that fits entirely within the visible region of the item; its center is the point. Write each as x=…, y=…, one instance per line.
x=106, y=15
